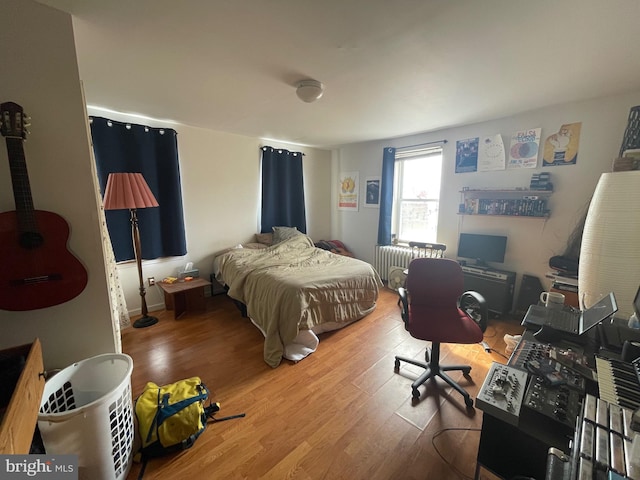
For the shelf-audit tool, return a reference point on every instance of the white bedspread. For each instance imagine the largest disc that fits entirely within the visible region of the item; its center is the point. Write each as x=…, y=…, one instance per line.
x=294, y=286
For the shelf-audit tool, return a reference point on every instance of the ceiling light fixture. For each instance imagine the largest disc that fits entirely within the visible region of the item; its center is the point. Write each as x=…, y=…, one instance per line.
x=309, y=90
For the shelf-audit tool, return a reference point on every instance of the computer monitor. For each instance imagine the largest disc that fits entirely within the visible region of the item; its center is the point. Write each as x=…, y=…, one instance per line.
x=482, y=248
x=636, y=304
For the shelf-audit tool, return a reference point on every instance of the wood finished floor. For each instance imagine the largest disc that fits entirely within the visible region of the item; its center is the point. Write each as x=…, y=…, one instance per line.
x=341, y=413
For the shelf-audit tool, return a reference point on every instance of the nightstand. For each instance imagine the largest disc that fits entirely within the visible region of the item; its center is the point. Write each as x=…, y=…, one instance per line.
x=184, y=297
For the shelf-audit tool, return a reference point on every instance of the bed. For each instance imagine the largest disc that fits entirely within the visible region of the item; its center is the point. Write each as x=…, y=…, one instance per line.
x=294, y=291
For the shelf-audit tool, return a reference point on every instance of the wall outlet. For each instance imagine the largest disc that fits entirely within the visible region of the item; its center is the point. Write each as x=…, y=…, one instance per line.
x=152, y=281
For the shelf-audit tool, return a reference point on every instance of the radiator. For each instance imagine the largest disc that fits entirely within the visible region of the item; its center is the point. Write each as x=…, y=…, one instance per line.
x=390, y=256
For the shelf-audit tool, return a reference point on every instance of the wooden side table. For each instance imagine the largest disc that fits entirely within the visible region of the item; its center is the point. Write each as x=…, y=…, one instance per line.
x=183, y=297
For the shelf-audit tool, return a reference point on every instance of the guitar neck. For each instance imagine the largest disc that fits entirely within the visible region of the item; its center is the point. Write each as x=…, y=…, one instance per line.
x=21, y=186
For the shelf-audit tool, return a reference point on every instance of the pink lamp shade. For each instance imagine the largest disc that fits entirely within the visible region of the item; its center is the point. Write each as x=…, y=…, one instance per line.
x=128, y=191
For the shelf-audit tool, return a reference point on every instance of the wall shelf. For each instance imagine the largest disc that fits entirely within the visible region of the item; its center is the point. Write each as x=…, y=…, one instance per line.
x=505, y=203
x=528, y=217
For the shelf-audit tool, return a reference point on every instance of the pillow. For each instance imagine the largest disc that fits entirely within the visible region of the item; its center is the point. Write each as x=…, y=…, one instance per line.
x=324, y=245
x=334, y=246
x=280, y=234
x=264, y=238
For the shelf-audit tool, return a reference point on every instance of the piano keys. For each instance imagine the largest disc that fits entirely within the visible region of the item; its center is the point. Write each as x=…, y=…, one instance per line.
x=619, y=382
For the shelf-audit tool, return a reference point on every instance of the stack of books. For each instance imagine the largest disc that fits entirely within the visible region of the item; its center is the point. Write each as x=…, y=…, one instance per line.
x=541, y=181
x=630, y=160
x=567, y=285
x=532, y=206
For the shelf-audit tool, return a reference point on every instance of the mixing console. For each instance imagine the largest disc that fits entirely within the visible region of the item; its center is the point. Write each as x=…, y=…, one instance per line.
x=569, y=366
x=501, y=393
x=561, y=404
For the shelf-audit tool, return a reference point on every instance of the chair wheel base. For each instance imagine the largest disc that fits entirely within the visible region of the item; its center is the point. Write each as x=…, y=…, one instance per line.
x=434, y=369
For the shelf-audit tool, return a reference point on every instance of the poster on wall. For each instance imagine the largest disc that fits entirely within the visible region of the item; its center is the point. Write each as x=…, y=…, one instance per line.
x=524, y=148
x=348, y=191
x=562, y=148
x=491, y=153
x=372, y=192
x=467, y=155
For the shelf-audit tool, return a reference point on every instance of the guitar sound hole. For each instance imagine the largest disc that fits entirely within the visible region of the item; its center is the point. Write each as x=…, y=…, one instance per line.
x=31, y=240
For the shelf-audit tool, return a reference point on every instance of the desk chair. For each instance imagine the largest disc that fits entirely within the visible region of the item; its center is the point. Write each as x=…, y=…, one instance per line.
x=421, y=250
x=436, y=308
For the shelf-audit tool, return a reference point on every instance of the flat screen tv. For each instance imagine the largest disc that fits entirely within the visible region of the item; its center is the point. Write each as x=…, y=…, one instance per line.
x=482, y=248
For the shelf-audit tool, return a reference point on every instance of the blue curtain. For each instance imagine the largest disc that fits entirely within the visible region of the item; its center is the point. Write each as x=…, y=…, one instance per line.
x=126, y=147
x=386, y=196
x=282, y=190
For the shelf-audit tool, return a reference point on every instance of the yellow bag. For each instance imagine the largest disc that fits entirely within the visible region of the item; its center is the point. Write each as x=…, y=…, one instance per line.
x=171, y=417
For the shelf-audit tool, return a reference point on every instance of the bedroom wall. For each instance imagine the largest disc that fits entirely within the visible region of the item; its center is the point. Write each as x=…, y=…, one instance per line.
x=40, y=73
x=221, y=191
x=531, y=242
x=220, y=175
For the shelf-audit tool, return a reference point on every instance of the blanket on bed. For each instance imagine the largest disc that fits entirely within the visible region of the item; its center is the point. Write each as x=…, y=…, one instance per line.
x=293, y=286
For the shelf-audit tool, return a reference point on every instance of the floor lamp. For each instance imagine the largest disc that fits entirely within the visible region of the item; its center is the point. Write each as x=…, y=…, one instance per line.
x=610, y=250
x=130, y=191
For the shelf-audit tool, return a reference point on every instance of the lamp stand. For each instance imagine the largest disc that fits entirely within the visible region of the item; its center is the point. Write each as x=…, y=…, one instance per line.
x=146, y=320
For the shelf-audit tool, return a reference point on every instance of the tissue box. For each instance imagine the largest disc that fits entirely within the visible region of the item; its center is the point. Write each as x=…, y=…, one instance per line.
x=194, y=272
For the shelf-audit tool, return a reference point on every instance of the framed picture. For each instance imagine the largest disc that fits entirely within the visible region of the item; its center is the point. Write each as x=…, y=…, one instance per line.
x=372, y=192
x=348, y=191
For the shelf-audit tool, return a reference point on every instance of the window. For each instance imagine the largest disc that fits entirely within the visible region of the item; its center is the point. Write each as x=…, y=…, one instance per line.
x=416, y=195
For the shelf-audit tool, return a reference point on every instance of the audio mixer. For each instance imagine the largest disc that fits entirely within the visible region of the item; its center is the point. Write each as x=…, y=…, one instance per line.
x=502, y=392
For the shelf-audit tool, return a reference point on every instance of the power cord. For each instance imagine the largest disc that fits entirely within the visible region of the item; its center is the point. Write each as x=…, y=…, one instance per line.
x=448, y=463
x=451, y=465
x=501, y=354
x=488, y=349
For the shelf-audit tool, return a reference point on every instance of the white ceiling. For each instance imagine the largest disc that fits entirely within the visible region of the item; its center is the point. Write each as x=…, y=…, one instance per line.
x=390, y=68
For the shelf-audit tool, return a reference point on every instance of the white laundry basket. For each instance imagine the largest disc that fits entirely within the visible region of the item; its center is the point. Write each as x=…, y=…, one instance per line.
x=87, y=410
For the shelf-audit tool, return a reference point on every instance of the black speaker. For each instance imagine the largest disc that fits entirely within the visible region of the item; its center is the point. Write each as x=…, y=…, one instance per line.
x=529, y=294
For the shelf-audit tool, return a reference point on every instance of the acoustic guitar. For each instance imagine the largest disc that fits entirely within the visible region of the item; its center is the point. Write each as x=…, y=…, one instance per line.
x=36, y=268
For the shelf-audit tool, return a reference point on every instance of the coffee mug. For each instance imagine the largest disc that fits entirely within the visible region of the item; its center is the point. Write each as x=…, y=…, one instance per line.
x=552, y=299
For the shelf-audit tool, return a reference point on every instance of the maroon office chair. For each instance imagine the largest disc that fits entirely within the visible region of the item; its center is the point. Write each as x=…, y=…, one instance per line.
x=436, y=308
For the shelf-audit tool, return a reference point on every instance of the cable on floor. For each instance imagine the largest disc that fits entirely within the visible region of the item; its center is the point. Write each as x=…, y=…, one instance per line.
x=448, y=463
x=489, y=349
